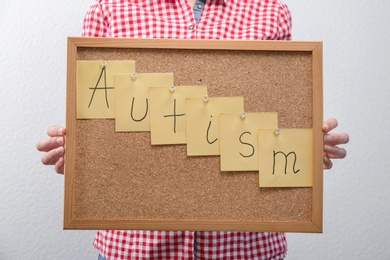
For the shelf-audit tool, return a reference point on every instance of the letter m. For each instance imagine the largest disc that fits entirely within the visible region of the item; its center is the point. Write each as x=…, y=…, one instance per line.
x=285, y=156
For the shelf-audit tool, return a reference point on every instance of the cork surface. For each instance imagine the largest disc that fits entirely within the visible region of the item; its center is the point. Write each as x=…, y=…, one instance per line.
x=121, y=176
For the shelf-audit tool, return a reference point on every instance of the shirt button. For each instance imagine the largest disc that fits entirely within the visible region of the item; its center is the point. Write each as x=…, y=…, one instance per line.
x=191, y=27
x=199, y=6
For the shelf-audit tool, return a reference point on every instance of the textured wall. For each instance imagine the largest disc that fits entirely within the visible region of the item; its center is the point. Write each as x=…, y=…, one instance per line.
x=32, y=69
x=356, y=81
x=356, y=91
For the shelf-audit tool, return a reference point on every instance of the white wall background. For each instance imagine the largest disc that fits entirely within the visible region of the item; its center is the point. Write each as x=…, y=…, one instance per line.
x=356, y=80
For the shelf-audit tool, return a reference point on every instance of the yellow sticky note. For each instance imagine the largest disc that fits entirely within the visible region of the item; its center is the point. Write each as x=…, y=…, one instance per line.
x=203, y=122
x=132, y=99
x=238, y=139
x=285, y=157
x=96, y=89
x=168, y=113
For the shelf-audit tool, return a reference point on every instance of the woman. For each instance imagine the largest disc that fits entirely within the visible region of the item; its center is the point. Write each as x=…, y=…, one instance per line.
x=192, y=19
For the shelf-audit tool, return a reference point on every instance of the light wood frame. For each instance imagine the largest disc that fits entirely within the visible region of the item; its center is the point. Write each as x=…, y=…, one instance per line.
x=73, y=222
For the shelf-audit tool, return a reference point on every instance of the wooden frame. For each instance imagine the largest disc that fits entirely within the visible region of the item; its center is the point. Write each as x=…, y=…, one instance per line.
x=73, y=219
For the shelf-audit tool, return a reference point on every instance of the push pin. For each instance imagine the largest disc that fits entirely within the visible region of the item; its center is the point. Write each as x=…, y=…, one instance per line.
x=172, y=89
x=243, y=115
x=206, y=99
x=134, y=76
x=276, y=131
x=104, y=64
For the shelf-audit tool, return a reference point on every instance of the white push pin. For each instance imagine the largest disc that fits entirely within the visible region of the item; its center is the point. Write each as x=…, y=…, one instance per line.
x=243, y=115
x=172, y=89
x=206, y=99
x=134, y=76
x=104, y=64
x=276, y=131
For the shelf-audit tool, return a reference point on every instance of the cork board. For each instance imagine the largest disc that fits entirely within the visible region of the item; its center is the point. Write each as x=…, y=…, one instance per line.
x=119, y=181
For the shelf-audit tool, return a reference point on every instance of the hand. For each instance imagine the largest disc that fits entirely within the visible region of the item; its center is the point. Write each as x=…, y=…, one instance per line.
x=331, y=142
x=53, y=148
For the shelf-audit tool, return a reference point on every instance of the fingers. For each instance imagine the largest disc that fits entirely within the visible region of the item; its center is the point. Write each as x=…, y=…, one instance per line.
x=332, y=142
x=334, y=152
x=53, y=131
x=336, y=139
x=59, y=166
x=53, y=148
x=52, y=156
x=329, y=125
x=57, y=134
x=327, y=163
x=46, y=145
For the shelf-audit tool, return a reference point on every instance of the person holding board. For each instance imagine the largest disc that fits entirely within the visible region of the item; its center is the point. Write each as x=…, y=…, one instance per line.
x=189, y=19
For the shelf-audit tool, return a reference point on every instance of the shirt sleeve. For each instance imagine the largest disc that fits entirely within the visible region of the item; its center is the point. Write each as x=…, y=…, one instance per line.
x=95, y=22
x=284, y=20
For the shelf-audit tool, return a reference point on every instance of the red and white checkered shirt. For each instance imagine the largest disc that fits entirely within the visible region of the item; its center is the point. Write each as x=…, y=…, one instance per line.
x=220, y=19
x=129, y=244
